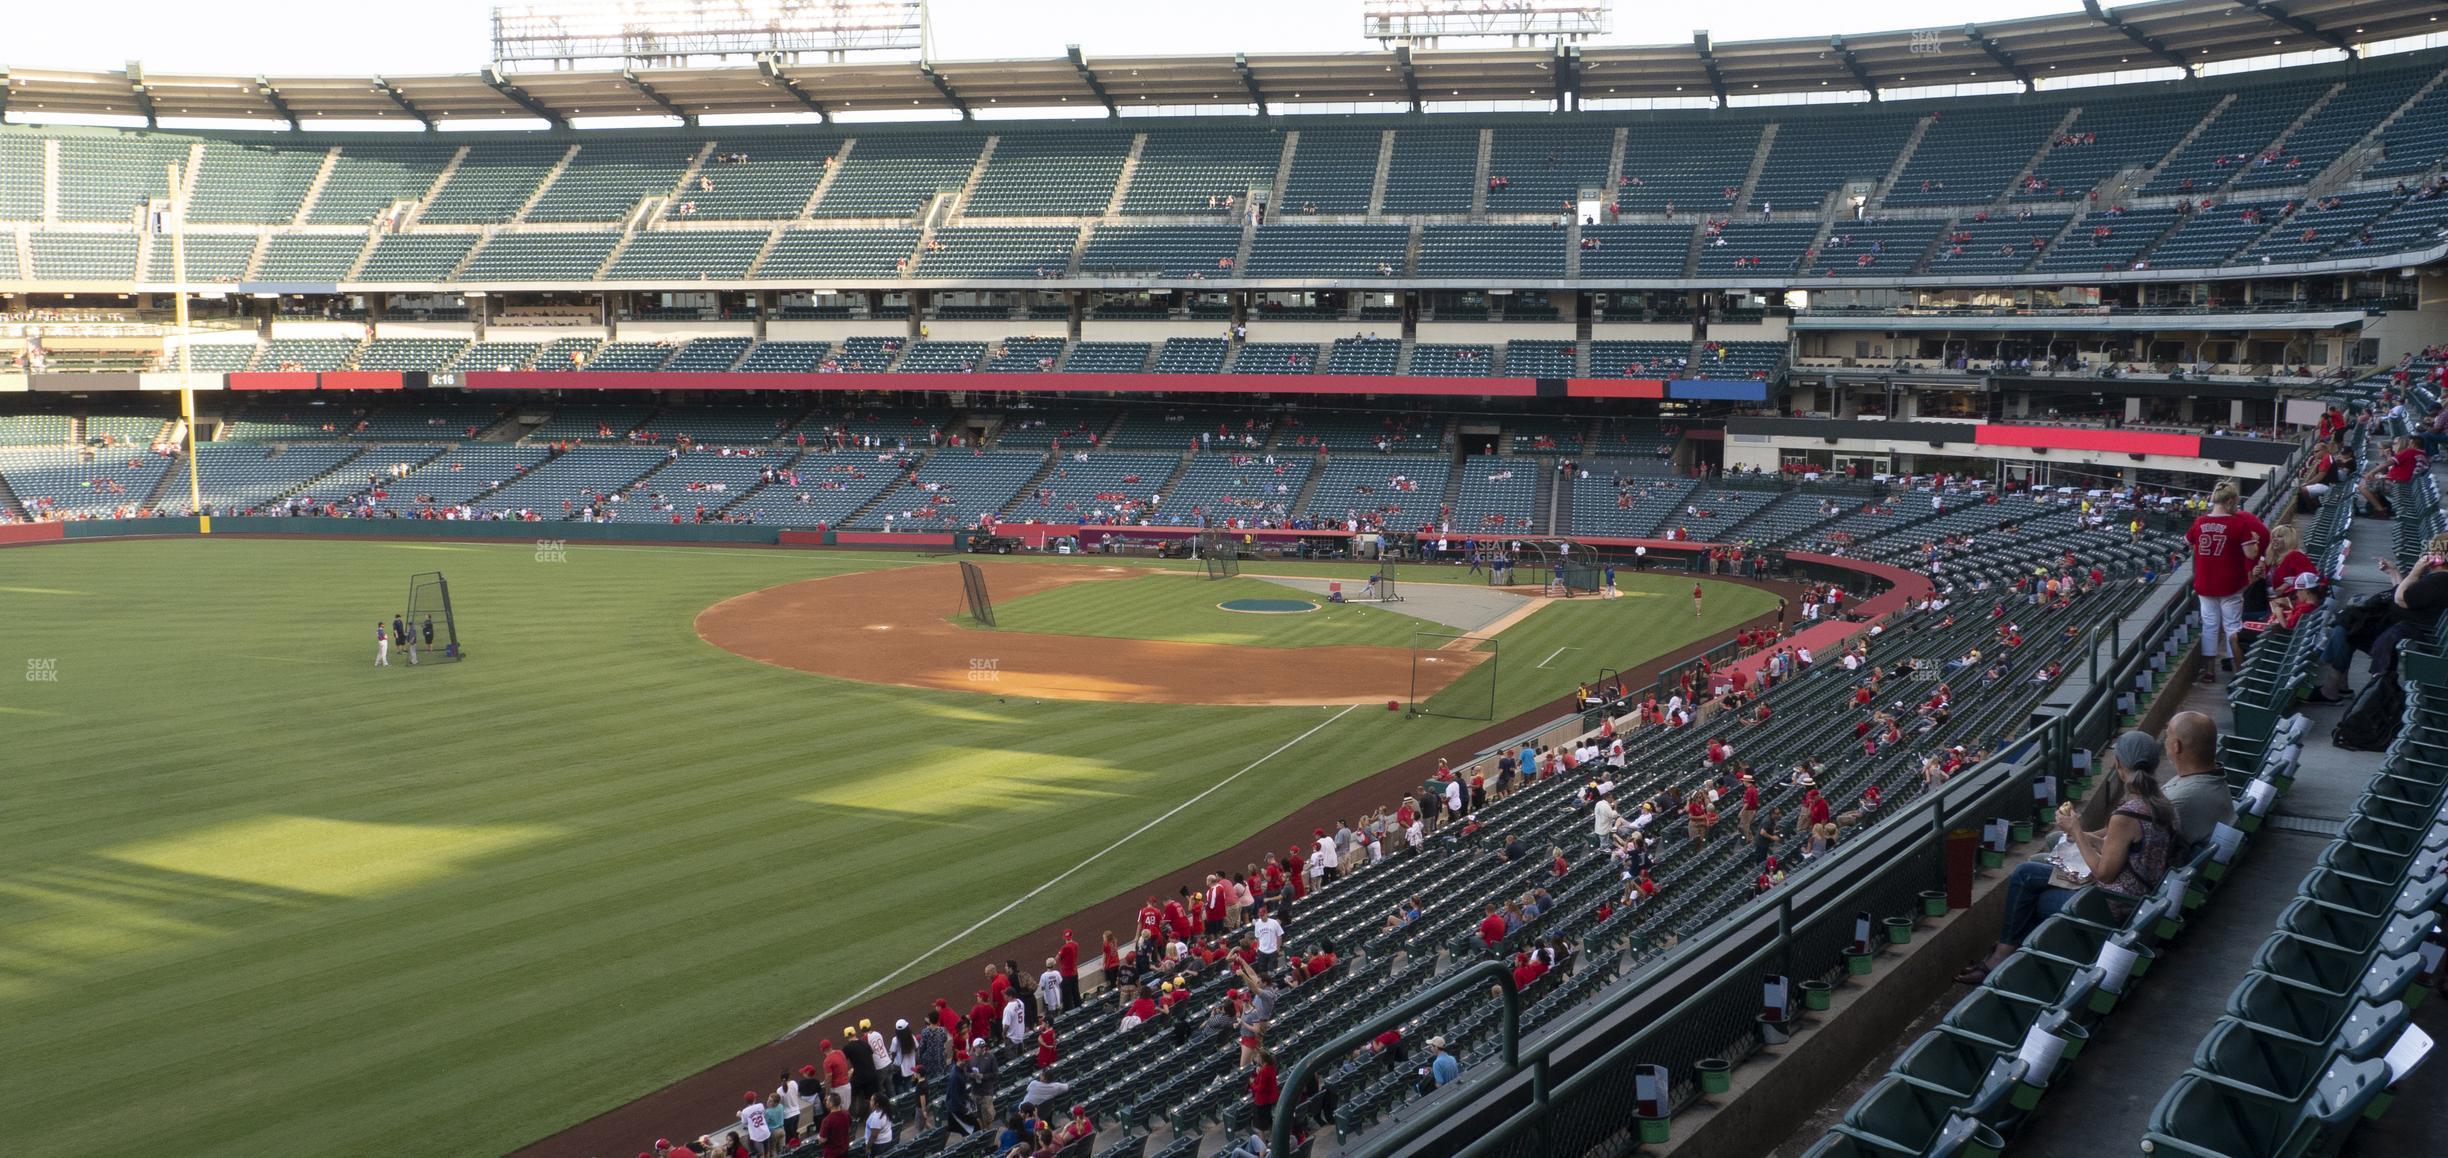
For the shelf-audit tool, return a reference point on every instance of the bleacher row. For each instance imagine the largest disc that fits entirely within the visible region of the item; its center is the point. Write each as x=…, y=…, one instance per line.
x=2232, y=234
x=1019, y=354
x=2245, y=136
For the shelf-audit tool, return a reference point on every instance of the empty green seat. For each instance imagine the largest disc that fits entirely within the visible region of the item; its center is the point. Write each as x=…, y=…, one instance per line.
x=1997, y=1018
x=2348, y=1024
x=2372, y=898
x=2373, y=864
x=2372, y=976
x=2207, y=1116
x=1902, y=1114
x=2045, y=980
x=2280, y=1067
x=1980, y=1077
x=2390, y=934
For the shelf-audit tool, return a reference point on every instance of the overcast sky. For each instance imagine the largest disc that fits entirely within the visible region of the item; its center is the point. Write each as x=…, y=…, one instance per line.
x=356, y=37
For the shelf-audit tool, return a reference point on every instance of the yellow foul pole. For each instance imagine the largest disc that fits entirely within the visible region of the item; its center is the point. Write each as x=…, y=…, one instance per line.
x=186, y=362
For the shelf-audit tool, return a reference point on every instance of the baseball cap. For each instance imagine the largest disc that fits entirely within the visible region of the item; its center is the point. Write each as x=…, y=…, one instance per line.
x=2137, y=750
x=900, y=1023
x=1437, y=1042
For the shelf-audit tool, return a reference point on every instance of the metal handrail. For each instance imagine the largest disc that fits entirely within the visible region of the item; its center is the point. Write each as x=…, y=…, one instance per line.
x=1279, y=1138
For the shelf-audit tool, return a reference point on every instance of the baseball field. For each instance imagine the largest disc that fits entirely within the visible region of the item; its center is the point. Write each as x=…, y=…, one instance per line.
x=272, y=898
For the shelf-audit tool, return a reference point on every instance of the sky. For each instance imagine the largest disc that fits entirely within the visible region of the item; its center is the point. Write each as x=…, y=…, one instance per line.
x=358, y=37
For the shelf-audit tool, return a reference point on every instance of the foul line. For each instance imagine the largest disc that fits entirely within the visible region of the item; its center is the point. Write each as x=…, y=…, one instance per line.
x=1551, y=655
x=1032, y=894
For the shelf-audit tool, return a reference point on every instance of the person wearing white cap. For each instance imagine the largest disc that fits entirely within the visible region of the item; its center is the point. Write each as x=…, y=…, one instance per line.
x=1442, y=1067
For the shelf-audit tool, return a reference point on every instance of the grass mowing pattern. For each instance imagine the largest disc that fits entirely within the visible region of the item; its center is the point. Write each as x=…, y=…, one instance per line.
x=466, y=906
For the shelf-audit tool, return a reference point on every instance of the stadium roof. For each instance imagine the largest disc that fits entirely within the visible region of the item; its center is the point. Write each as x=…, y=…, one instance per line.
x=2095, y=39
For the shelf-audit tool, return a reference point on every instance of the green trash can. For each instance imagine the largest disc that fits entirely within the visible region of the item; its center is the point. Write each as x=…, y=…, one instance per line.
x=1775, y=1032
x=1655, y=1131
x=1933, y=903
x=2022, y=830
x=1899, y=930
x=1859, y=964
x=1817, y=996
x=1716, y=1075
x=1992, y=858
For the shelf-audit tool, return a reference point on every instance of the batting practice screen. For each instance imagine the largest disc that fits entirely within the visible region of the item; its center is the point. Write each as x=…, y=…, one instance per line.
x=974, y=598
x=430, y=617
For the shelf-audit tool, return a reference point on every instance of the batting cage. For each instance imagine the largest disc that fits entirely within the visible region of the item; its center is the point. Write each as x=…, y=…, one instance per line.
x=429, y=617
x=1221, y=554
x=1381, y=587
x=1473, y=697
x=974, y=600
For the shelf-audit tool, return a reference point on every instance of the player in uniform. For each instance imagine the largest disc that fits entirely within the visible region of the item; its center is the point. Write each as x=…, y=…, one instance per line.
x=382, y=645
x=1695, y=601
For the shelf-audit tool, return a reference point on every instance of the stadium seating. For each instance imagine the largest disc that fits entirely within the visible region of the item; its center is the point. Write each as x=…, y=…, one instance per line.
x=242, y=478
x=1689, y=166
x=2312, y=229
x=428, y=354
x=1431, y=170
x=762, y=179
x=1401, y=491
x=457, y=476
x=2416, y=140
x=1108, y=358
x=1969, y=156
x=1332, y=171
x=1063, y=173
x=61, y=256
x=496, y=355
x=1172, y=251
x=1635, y=251
x=1236, y=486
x=1180, y=170
x=1750, y=248
x=2085, y=249
x=1342, y=430
x=1539, y=358
x=573, y=480
x=21, y=176
x=107, y=176
x=808, y=253
x=1192, y=356
x=607, y=178
x=1543, y=169
x=952, y=489
x=708, y=355
x=2112, y=133
x=416, y=257
x=2209, y=236
x=212, y=258
x=2417, y=223
x=1452, y=361
x=34, y=429
x=869, y=354
x=566, y=354
x=492, y=181
x=785, y=357
x=2003, y=244
x=1817, y=155
x=1024, y=355
x=539, y=257
x=83, y=483
x=998, y=253
x=1498, y=495
x=1105, y=487
x=316, y=354
x=1363, y=355
x=309, y=257
x=371, y=176
x=1340, y=251
x=1276, y=358
x=1614, y=358
x=627, y=356
x=1492, y=251
x=2234, y=137
x=943, y=357
x=1880, y=248
x=2349, y=116
x=253, y=182
x=670, y=256
x=895, y=176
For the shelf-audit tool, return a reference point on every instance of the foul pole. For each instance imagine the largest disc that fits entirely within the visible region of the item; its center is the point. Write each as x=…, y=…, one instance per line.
x=186, y=362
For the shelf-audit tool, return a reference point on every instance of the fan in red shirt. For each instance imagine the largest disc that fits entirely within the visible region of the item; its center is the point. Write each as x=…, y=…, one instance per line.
x=1151, y=921
x=1320, y=961
x=1492, y=928
x=2227, y=542
x=1047, y=1055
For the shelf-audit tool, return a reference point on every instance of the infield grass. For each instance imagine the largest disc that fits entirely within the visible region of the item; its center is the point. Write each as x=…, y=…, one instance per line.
x=296, y=899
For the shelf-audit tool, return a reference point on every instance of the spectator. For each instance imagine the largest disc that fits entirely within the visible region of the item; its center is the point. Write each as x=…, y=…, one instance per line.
x=879, y=1125
x=1442, y=1067
x=833, y=1132
x=2375, y=626
x=2198, y=788
x=2227, y=543
x=2127, y=857
x=1264, y=1091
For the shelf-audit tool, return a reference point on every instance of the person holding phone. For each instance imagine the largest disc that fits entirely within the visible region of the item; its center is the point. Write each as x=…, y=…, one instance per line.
x=2412, y=611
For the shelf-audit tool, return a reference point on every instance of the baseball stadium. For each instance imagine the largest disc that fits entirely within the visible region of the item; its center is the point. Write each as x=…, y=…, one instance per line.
x=1460, y=578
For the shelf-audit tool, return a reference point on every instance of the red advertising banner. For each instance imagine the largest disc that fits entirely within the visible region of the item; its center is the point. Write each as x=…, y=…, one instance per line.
x=1615, y=387
x=2077, y=438
x=1053, y=383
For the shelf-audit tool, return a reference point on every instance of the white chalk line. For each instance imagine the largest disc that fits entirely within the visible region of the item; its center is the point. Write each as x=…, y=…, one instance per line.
x=1551, y=656
x=1032, y=894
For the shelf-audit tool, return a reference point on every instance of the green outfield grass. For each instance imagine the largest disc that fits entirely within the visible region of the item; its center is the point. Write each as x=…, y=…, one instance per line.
x=297, y=900
x=1180, y=608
